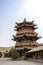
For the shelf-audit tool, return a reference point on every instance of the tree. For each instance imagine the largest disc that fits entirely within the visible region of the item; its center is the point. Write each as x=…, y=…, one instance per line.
x=10, y=53
x=15, y=54
x=0, y=54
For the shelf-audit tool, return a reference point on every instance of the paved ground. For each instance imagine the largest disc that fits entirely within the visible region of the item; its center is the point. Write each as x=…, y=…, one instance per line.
x=19, y=62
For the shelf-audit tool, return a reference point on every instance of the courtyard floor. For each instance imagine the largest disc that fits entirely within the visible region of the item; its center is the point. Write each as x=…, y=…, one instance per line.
x=8, y=61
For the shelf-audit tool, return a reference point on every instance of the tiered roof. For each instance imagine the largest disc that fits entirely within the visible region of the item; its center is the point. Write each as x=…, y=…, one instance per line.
x=25, y=24
x=21, y=33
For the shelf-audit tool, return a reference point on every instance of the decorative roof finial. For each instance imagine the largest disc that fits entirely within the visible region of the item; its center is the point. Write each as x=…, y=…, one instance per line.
x=32, y=21
x=24, y=19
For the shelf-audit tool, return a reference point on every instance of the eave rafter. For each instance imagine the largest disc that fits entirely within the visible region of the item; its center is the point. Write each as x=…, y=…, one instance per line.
x=21, y=37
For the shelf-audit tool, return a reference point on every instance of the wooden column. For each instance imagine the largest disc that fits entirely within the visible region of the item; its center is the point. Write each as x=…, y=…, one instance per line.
x=36, y=56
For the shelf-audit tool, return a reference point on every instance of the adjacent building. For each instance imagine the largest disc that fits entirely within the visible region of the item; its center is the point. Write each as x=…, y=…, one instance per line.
x=4, y=50
x=35, y=53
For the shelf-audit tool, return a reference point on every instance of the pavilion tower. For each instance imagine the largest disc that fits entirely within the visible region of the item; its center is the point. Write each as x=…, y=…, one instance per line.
x=26, y=36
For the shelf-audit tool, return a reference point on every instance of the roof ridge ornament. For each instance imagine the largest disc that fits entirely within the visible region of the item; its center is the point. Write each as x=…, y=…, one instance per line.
x=24, y=19
x=32, y=21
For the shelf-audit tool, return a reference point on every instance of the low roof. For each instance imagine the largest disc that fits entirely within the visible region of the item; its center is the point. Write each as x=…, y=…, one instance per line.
x=36, y=49
x=21, y=48
x=26, y=44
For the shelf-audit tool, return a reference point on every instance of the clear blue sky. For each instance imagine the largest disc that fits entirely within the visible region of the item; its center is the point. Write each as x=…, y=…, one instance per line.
x=12, y=11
